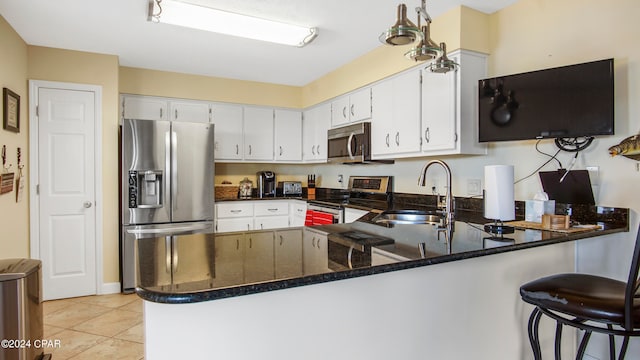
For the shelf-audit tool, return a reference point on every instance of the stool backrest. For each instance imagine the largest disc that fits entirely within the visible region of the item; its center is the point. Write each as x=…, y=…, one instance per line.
x=633, y=286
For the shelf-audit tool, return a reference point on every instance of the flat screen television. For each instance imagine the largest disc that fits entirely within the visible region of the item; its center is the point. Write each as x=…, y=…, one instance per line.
x=563, y=102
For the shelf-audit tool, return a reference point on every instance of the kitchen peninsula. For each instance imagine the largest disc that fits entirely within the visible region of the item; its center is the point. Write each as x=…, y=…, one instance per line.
x=451, y=302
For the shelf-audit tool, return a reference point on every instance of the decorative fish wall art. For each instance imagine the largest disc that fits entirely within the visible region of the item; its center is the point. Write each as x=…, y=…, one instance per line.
x=629, y=147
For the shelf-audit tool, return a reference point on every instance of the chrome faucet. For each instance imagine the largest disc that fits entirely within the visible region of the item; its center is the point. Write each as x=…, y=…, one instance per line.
x=448, y=222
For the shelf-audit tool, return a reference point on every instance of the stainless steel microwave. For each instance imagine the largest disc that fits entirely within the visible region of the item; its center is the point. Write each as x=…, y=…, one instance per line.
x=349, y=144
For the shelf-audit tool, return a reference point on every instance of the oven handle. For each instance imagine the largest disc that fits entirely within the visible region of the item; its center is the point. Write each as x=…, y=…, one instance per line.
x=349, y=145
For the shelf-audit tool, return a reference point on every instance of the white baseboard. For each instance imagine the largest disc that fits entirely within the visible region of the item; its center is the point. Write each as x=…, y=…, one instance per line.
x=109, y=288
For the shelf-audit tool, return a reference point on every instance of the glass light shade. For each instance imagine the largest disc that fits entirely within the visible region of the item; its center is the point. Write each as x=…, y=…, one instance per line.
x=223, y=22
x=426, y=49
x=403, y=32
x=443, y=64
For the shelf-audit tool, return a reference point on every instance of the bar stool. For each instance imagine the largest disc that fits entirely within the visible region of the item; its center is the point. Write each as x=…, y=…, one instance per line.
x=587, y=302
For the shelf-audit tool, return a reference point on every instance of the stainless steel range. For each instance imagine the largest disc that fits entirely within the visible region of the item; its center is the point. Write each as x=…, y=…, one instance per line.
x=365, y=192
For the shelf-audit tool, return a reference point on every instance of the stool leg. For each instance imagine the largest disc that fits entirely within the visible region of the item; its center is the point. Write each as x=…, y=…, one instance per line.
x=623, y=350
x=583, y=345
x=612, y=344
x=534, y=321
x=558, y=339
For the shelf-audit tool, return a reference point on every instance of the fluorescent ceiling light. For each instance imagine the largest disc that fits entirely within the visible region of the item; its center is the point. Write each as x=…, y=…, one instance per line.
x=223, y=22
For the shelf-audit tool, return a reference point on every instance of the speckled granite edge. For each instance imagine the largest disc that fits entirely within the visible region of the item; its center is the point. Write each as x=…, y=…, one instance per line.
x=214, y=294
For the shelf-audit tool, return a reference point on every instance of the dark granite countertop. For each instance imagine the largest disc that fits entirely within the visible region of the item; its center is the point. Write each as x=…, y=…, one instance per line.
x=206, y=267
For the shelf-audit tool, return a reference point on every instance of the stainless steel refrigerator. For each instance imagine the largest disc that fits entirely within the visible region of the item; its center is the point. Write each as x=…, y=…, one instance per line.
x=167, y=183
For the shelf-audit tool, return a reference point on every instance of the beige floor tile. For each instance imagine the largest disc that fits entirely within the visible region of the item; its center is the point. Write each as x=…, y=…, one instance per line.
x=75, y=314
x=135, y=334
x=50, y=330
x=135, y=305
x=110, y=323
x=113, y=349
x=111, y=300
x=73, y=343
x=51, y=306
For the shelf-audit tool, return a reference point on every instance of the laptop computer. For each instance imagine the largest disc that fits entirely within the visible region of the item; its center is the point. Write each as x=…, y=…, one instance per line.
x=575, y=188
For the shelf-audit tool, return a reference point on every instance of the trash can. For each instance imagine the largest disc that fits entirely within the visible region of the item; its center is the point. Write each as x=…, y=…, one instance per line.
x=21, y=325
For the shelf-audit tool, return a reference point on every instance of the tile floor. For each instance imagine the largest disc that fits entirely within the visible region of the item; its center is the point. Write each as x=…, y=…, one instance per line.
x=95, y=327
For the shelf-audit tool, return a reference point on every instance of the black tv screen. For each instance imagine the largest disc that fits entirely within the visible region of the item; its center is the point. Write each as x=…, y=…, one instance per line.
x=563, y=102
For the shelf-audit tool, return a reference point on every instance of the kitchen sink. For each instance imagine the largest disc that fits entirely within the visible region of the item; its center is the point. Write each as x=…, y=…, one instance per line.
x=408, y=217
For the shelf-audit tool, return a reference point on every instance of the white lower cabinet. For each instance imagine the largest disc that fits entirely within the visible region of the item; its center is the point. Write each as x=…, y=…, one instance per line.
x=271, y=214
x=297, y=213
x=234, y=216
x=259, y=257
x=315, y=257
x=288, y=253
x=229, y=259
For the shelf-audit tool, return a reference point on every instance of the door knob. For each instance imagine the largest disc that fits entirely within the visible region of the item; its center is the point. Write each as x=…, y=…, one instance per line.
x=87, y=204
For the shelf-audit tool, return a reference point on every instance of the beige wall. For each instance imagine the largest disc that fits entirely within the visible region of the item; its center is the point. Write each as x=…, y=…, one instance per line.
x=14, y=217
x=102, y=70
x=162, y=83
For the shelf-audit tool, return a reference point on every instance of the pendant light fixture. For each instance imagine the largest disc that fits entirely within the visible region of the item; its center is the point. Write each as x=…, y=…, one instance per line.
x=404, y=32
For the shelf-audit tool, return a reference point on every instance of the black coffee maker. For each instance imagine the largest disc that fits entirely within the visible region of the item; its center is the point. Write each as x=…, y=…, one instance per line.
x=266, y=184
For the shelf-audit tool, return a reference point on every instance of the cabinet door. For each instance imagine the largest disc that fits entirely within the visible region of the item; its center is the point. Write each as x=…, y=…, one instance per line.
x=189, y=111
x=382, y=119
x=315, y=258
x=259, y=257
x=228, y=131
x=258, y=133
x=234, y=224
x=340, y=111
x=288, y=135
x=144, y=108
x=271, y=222
x=406, y=113
x=297, y=213
x=229, y=259
x=288, y=251
x=439, y=111
x=315, y=124
x=360, y=105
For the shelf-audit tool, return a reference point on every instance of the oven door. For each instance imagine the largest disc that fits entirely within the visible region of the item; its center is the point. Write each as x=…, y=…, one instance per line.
x=348, y=144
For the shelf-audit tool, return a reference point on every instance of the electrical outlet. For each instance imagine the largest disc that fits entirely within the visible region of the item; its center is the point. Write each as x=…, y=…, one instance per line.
x=474, y=187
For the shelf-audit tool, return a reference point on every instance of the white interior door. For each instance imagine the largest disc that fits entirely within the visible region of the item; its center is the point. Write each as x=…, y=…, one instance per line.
x=66, y=191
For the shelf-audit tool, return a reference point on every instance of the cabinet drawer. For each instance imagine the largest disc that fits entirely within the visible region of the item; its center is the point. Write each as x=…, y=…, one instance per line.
x=268, y=208
x=234, y=209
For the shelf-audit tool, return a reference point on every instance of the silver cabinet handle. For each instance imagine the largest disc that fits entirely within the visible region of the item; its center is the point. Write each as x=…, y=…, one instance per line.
x=280, y=150
x=281, y=240
x=387, y=140
x=344, y=112
x=249, y=149
x=272, y=209
x=87, y=204
x=426, y=135
x=318, y=149
x=250, y=243
x=398, y=138
x=313, y=150
x=352, y=112
x=160, y=113
x=313, y=242
x=235, y=211
x=237, y=244
x=176, y=114
x=237, y=149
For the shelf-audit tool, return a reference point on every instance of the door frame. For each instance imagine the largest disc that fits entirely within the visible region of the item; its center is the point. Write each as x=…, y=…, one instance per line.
x=34, y=198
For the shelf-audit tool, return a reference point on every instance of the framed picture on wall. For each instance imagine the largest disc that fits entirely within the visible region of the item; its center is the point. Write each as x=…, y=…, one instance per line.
x=11, y=106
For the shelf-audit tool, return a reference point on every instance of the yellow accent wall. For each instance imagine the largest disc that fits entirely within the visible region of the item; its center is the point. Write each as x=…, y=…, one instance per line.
x=170, y=84
x=96, y=69
x=14, y=217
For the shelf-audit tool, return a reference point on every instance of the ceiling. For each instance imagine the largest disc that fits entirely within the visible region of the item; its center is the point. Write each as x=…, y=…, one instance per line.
x=347, y=30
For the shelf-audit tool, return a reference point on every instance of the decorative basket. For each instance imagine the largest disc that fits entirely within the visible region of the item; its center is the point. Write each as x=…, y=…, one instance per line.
x=226, y=192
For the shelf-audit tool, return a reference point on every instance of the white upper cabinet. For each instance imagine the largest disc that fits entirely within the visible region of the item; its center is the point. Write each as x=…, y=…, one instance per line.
x=258, y=133
x=315, y=124
x=144, y=108
x=350, y=108
x=288, y=135
x=227, y=119
x=395, y=120
x=190, y=111
x=450, y=107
